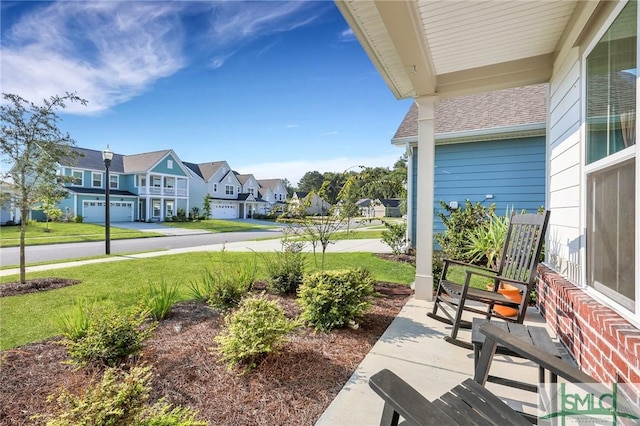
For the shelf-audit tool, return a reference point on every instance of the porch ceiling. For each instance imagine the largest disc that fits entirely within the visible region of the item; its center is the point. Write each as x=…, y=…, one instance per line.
x=458, y=47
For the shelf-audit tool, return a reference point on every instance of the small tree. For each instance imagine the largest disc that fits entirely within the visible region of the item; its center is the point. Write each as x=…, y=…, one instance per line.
x=31, y=141
x=52, y=192
x=206, y=206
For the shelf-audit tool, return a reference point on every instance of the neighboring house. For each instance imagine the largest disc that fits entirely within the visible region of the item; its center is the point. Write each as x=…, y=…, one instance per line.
x=219, y=182
x=490, y=148
x=9, y=212
x=386, y=207
x=233, y=195
x=315, y=205
x=366, y=208
x=589, y=286
x=274, y=192
x=149, y=186
x=380, y=207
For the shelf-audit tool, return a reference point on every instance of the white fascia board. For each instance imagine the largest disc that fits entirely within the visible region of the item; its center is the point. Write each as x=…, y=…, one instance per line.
x=494, y=133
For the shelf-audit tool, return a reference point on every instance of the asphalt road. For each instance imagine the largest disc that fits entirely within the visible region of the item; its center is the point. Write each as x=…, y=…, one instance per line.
x=10, y=255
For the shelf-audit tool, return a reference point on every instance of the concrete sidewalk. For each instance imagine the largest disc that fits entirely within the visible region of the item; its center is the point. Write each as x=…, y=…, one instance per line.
x=341, y=246
x=413, y=347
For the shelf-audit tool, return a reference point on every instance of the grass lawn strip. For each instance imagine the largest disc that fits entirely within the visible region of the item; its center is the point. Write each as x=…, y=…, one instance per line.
x=65, y=233
x=32, y=317
x=218, y=225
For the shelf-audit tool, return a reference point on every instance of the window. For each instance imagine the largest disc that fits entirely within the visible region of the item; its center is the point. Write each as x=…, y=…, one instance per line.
x=113, y=181
x=228, y=189
x=169, y=209
x=156, y=181
x=155, y=208
x=215, y=187
x=142, y=180
x=169, y=164
x=96, y=180
x=251, y=191
x=610, y=157
x=76, y=176
x=239, y=190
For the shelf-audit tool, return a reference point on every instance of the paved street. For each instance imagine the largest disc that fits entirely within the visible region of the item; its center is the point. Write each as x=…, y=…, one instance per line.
x=10, y=255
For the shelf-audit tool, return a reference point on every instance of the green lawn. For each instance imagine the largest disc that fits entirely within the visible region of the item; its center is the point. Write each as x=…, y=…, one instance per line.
x=218, y=225
x=32, y=317
x=59, y=232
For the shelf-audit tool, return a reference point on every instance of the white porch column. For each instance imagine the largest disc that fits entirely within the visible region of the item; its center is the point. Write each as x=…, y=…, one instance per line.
x=425, y=194
x=410, y=189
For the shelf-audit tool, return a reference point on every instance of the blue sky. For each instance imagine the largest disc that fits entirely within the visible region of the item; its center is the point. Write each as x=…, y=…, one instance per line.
x=274, y=88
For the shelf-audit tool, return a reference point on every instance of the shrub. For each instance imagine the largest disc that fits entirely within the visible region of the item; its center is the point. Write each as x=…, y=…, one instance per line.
x=225, y=286
x=119, y=399
x=395, y=236
x=458, y=224
x=108, y=336
x=331, y=299
x=159, y=299
x=76, y=325
x=78, y=218
x=257, y=328
x=286, y=270
x=484, y=243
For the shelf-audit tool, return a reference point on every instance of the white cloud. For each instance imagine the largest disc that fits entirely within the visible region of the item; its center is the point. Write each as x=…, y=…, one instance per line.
x=292, y=126
x=347, y=35
x=107, y=52
x=111, y=51
x=233, y=21
x=294, y=170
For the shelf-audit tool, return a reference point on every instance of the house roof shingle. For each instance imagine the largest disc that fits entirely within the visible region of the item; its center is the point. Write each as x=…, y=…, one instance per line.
x=143, y=162
x=501, y=108
x=91, y=159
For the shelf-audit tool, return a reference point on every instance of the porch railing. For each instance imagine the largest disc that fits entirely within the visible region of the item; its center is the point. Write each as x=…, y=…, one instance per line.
x=159, y=191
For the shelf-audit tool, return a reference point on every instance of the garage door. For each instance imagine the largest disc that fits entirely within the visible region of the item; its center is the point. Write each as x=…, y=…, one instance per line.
x=121, y=211
x=224, y=211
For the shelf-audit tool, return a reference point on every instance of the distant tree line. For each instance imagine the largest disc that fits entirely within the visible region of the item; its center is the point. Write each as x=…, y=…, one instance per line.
x=369, y=182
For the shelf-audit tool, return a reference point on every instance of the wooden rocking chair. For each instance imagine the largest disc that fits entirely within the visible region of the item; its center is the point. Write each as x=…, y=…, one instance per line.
x=518, y=263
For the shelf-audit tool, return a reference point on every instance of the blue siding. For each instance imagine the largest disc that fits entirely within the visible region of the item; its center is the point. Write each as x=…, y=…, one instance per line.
x=513, y=171
x=163, y=168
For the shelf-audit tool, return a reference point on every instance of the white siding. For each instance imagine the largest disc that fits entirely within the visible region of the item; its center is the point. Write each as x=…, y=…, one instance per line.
x=564, y=185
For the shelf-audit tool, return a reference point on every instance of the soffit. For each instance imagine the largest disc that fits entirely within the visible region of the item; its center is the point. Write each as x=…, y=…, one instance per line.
x=458, y=47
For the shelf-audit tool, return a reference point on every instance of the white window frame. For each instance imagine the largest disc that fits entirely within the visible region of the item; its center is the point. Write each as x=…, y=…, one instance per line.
x=603, y=163
x=73, y=171
x=169, y=164
x=169, y=212
x=141, y=181
x=93, y=179
x=153, y=208
x=157, y=179
x=215, y=187
x=228, y=190
x=112, y=179
x=251, y=191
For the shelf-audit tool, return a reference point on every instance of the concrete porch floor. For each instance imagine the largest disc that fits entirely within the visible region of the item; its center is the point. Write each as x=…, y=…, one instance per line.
x=413, y=347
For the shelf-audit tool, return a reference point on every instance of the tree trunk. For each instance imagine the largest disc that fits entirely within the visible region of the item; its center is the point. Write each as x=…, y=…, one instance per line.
x=23, y=231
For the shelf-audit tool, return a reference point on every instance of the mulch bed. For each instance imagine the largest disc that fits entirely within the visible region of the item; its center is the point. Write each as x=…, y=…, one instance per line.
x=290, y=389
x=35, y=285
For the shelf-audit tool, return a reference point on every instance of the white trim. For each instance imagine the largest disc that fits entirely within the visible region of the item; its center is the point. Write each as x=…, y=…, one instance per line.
x=493, y=133
x=93, y=179
x=117, y=176
x=607, y=161
x=81, y=177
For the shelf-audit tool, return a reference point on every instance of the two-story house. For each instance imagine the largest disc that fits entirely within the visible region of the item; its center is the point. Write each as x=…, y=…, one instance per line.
x=148, y=186
x=233, y=195
x=274, y=193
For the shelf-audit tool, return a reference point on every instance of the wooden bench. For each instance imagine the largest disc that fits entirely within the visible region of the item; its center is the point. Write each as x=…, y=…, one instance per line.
x=470, y=402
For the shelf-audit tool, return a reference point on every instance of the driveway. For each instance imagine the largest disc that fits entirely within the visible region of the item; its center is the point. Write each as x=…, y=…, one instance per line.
x=158, y=227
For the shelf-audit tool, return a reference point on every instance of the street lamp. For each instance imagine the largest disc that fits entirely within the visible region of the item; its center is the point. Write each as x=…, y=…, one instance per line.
x=107, y=155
